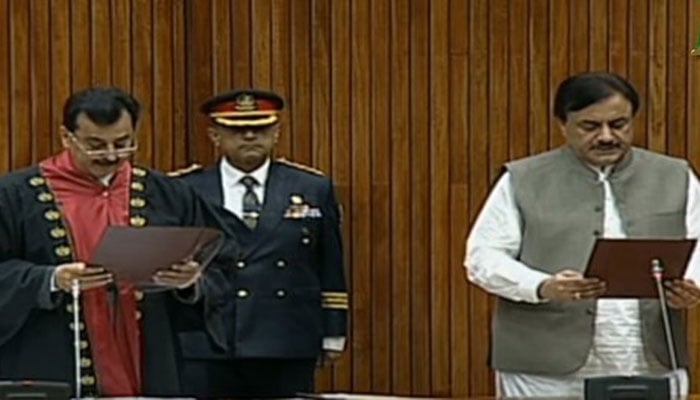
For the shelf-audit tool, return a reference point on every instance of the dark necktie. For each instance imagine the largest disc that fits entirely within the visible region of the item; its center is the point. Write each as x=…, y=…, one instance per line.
x=251, y=203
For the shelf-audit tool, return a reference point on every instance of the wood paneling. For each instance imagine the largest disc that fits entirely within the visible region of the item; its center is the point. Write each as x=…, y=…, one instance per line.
x=411, y=106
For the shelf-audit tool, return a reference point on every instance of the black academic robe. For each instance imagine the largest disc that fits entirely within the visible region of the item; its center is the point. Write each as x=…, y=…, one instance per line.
x=36, y=341
x=287, y=288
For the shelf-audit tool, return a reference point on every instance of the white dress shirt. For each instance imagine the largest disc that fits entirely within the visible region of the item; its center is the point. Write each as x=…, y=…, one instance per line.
x=234, y=190
x=617, y=349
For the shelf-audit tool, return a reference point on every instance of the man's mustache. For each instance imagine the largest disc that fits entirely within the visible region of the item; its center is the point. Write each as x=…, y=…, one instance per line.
x=607, y=146
x=105, y=163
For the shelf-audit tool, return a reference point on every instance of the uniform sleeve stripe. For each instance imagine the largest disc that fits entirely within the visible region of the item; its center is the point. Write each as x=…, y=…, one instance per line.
x=335, y=301
x=334, y=294
x=336, y=306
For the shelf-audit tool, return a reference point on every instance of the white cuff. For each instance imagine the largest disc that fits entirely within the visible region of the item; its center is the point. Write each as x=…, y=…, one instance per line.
x=52, y=283
x=528, y=285
x=334, y=343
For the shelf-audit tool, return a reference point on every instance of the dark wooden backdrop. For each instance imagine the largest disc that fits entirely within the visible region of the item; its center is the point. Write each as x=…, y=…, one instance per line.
x=410, y=105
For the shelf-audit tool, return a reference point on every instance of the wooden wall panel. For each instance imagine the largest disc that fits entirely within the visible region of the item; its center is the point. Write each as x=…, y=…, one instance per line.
x=6, y=97
x=421, y=209
x=479, y=306
x=459, y=195
x=638, y=43
x=439, y=137
x=360, y=193
x=411, y=106
x=341, y=157
x=381, y=237
x=401, y=275
x=20, y=83
x=60, y=68
x=40, y=67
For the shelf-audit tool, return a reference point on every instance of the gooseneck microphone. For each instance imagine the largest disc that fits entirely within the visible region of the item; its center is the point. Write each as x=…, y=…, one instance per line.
x=657, y=272
x=75, y=291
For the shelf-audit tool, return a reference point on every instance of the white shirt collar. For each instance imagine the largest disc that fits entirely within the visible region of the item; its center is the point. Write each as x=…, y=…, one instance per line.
x=233, y=175
x=106, y=180
x=603, y=172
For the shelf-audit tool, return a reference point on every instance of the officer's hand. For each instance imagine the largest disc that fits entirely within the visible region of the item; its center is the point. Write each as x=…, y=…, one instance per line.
x=682, y=293
x=328, y=357
x=87, y=277
x=180, y=276
x=570, y=285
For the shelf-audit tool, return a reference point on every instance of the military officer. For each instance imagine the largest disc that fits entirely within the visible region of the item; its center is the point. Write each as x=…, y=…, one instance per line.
x=287, y=300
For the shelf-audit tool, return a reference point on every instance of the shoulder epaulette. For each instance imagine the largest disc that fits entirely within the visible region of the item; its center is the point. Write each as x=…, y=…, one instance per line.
x=300, y=166
x=184, y=171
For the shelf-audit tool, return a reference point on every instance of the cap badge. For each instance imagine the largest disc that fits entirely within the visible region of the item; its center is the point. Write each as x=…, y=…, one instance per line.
x=245, y=102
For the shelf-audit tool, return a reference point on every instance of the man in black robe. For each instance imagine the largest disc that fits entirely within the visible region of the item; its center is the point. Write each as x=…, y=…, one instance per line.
x=52, y=216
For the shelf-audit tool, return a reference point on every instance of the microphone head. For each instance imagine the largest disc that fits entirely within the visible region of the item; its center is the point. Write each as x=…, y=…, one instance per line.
x=657, y=268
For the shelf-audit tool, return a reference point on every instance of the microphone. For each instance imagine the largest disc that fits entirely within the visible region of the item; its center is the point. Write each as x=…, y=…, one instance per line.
x=641, y=387
x=75, y=291
x=657, y=272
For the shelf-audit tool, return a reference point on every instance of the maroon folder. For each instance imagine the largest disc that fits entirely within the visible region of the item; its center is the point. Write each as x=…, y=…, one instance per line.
x=626, y=264
x=135, y=254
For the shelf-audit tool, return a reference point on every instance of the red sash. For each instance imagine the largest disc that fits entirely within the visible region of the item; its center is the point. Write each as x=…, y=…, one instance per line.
x=89, y=208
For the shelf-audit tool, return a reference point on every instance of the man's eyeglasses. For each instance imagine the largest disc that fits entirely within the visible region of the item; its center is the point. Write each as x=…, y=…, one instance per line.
x=118, y=150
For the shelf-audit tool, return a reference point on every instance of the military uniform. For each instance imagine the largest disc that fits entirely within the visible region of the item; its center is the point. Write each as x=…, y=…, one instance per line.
x=286, y=289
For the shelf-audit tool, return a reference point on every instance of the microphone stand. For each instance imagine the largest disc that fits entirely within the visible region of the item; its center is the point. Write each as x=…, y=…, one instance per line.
x=75, y=291
x=657, y=271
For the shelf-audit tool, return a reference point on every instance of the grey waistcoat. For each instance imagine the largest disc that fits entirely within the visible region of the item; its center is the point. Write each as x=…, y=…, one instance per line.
x=561, y=205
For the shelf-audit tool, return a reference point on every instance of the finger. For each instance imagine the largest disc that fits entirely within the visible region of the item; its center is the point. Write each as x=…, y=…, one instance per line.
x=593, y=293
x=585, y=285
x=90, y=271
x=176, y=274
x=689, y=286
x=190, y=266
x=568, y=271
x=675, y=301
x=679, y=291
x=178, y=283
x=95, y=278
x=682, y=298
x=566, y=292
x=569, y=274
x=165, y=282
x=94, y=284
x=689, y=297
x=65, y=281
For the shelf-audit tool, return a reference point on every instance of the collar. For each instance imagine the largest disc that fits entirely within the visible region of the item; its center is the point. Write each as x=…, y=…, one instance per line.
x=233, y=175
x=63, y=166
x=621, y=168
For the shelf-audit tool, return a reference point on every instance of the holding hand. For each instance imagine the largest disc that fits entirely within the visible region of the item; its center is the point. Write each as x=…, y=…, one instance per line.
x=180, y=276
x=87, y=277
x=682, y=293
x=570, y=285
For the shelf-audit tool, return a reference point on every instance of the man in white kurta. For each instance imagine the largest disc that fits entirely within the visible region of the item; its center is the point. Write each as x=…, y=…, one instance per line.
x=495, y=242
